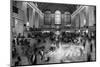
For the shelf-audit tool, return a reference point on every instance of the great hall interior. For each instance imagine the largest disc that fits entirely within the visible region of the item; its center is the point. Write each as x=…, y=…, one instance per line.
x=48, y=33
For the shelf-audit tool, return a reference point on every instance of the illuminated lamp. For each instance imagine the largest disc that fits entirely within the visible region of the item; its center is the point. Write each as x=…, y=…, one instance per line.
x=27, y=24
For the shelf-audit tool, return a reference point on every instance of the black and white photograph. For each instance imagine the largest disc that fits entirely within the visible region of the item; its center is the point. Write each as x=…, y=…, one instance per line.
x=45, y=33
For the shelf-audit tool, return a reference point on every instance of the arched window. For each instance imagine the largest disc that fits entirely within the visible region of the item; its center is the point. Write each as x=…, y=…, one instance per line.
x=57, y=17
x=47, y=17
x=67, y=18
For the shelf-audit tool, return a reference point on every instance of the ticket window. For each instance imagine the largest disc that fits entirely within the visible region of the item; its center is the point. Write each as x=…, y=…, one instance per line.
x=57, y=17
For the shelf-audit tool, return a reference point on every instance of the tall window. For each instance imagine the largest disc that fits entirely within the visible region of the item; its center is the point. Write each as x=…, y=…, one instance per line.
x=57, y=17
x=47, y=18
x=67, y=18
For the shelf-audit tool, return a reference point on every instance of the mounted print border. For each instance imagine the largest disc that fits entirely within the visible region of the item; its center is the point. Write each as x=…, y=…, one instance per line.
x=52, y=33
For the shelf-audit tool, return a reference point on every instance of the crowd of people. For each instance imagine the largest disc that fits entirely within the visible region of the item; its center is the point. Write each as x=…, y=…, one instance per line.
x=31, y=47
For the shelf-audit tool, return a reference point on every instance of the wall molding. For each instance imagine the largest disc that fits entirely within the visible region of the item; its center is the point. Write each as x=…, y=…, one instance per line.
x=78, y=11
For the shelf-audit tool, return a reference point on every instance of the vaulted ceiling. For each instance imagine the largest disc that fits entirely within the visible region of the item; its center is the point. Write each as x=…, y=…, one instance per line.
x=56, y=6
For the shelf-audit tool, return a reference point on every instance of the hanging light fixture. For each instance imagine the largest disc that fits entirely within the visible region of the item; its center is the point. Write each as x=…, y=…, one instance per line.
x=27, y=23
x=84, y=21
